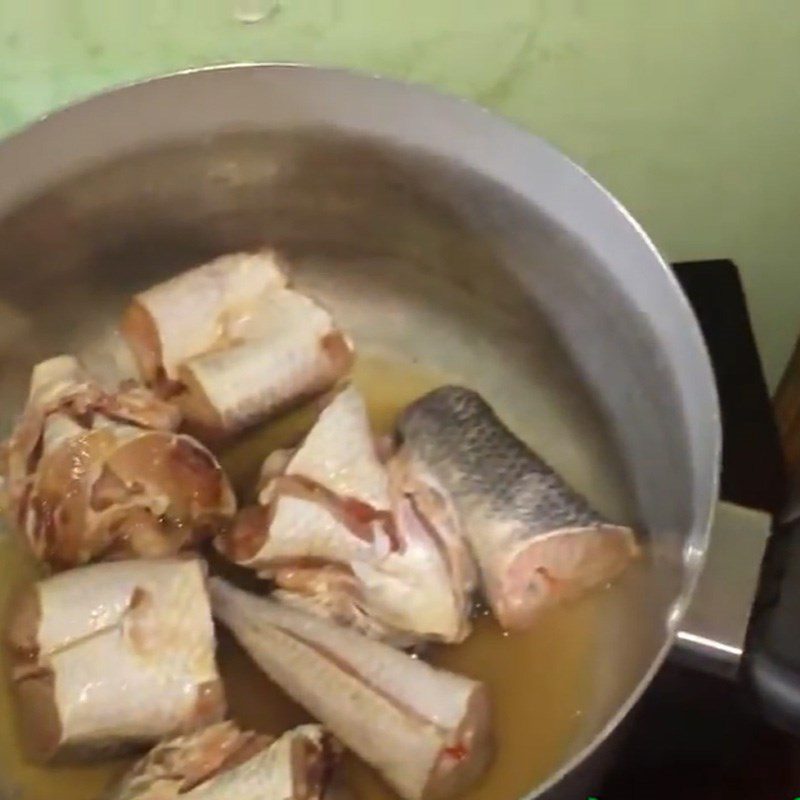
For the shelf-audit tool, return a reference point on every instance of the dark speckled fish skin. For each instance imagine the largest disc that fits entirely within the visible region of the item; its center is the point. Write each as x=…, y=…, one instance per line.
x=537, y=542
x=481, y=463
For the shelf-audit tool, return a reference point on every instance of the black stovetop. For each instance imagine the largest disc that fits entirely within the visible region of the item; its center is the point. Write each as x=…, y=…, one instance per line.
x=694, y=737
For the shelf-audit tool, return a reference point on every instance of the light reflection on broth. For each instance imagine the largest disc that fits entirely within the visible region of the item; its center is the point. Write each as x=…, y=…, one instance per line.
x=540, y=682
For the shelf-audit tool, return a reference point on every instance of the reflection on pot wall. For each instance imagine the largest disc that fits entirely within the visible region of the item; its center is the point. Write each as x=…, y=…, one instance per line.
x=686, y=112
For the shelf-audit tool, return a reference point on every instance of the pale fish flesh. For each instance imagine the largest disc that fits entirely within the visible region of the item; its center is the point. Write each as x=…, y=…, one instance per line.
x=232, y=344
x=341, y=538
x=113, y=656
x=94, y=474
x=425, y=730
x=536, y=540
x=222, y=762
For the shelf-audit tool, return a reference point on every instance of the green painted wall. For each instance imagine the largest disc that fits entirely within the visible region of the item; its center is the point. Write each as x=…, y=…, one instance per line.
x=688, y=110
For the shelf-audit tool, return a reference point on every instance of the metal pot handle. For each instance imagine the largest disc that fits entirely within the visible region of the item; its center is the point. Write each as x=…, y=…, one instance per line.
x=745, y=619
x=771, y=666
x=714, y=631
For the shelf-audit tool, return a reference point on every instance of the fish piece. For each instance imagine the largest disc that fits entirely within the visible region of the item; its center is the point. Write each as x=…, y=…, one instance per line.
x=94, y=474
x=231, y=344
x=290, y=351
x=188, y=315
x=223, y=763
x=297, y=766
x=340, y=538
x=536, y=540
x=422, y=506
x=113, y=656
x=425, y=730
x=177, y=765
x=339, y=454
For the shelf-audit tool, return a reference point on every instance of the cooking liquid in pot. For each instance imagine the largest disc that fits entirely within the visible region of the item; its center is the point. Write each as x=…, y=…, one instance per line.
x=539, y=681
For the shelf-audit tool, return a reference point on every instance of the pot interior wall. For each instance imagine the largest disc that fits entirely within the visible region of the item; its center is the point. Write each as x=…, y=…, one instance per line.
x=421, y=259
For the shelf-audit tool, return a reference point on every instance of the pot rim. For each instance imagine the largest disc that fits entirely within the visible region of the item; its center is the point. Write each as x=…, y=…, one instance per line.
x=23, y=139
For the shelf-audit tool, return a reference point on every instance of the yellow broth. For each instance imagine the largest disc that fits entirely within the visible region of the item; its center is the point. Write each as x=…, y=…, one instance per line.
x=539, y=681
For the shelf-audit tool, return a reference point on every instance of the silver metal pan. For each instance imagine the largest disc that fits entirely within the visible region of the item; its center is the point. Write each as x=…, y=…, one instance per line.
x=436, y=232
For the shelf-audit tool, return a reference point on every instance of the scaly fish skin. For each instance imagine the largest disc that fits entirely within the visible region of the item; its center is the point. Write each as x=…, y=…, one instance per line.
x=536, y=540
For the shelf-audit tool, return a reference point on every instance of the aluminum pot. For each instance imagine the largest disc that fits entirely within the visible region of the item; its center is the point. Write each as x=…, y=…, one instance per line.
x=435, y=230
